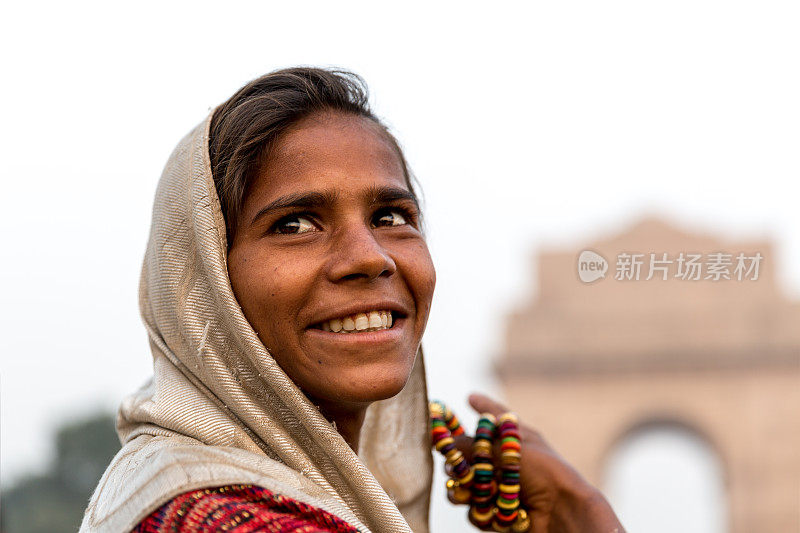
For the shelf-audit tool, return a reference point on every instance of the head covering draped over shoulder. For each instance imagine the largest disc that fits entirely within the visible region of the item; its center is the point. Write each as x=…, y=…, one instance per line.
x=219, y=410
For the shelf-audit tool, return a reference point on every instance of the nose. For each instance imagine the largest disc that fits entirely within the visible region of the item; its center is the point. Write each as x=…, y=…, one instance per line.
x=357, y=254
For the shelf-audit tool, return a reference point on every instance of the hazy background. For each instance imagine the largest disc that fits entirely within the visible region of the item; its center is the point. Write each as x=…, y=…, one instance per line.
x=527, y=126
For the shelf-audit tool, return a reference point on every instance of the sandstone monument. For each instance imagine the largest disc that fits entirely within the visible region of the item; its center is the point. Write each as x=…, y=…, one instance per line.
x=716, y=352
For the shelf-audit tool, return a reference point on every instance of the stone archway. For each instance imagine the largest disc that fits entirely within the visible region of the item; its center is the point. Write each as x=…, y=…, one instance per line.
x=585, y=362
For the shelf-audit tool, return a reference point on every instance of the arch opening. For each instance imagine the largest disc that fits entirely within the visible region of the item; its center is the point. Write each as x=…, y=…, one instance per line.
x=666, y=477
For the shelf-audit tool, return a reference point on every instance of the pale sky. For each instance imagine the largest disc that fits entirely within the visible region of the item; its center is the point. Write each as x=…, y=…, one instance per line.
x=528, y=126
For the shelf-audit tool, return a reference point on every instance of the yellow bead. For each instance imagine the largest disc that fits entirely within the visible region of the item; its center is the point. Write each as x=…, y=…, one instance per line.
x=490, y=417
x=507, y=417
x=444, y=442
x=467, y=477
x=454, y=457
x=480, y=517
x=508, y=489
x=510, y=457
x=512, y=505
x=523, y=522
x=459, y=495
x=482, y=446
x=499, y=528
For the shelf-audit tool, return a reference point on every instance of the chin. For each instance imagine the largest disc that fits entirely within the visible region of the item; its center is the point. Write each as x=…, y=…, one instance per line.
x=367, y=387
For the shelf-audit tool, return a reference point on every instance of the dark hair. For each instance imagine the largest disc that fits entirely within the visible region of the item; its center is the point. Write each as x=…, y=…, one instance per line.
x=247, y=125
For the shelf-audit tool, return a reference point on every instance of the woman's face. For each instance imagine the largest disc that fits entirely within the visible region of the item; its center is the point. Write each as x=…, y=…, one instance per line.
x=329, y=264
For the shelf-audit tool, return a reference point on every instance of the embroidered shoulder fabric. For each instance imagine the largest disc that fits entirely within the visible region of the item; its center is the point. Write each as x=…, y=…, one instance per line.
x=240, y=509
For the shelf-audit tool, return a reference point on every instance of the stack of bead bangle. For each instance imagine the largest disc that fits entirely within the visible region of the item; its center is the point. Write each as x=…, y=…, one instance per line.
x=444, y=425
x=484, y=487
x=491, y=504
x=508, y=509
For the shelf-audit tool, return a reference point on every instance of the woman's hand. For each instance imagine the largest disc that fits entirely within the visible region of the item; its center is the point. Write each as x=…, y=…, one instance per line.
x=556, y=496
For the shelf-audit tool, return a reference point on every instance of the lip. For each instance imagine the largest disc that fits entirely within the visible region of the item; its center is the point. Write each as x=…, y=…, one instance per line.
x=399, y=311
x=391, y=335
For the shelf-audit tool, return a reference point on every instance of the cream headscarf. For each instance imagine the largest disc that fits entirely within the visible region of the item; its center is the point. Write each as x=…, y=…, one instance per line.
x=219, y=410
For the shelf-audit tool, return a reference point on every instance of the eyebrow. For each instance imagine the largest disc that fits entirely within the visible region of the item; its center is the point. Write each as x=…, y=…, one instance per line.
x=387, y=195
x=306, y=200
x=318, y=200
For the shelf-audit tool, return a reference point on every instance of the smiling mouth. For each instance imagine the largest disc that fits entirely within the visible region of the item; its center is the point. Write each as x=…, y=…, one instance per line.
x=360, y=322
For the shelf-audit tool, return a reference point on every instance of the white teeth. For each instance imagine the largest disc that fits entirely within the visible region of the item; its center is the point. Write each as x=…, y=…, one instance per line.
x=369, y=321
x=375, y=319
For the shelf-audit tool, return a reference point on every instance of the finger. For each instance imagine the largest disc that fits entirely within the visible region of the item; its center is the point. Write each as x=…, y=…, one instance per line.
x=464, y=445
x=485, y=404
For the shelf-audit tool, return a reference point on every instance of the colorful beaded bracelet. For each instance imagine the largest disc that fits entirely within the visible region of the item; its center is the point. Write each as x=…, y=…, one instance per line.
x=491, y=503
x=444, y=425
x=509, y=516
x=484, y=487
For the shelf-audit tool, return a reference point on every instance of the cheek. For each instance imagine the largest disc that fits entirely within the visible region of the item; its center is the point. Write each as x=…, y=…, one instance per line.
x=421, y=275
x=269, y=288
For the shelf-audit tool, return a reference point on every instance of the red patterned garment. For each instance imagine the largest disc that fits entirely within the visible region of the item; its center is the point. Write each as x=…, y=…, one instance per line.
x=240, y=509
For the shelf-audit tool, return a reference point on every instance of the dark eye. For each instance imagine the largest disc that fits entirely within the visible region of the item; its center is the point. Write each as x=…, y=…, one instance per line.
x=389, y=217
x=294, y=224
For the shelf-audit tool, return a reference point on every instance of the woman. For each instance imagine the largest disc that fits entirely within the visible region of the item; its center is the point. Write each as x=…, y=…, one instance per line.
x=285, y=290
